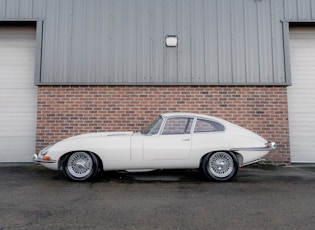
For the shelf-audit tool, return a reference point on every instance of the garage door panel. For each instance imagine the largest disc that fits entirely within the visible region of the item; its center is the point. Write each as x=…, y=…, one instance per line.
x=302, y=106
x=302, y=123
x=17, y=106
x=308, y=85
x=305, y=96
x=16, y=151
x=303, y=141
x=18, y=94
x=303, y=137
x=301, y=95
x=303, y=158
x=298, y=126
x=8, y=70
x=17, y=125
x=18, y=85
x=10, y=93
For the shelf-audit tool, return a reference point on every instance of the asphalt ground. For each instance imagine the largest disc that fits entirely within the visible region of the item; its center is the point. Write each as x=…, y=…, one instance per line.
x=260, y=197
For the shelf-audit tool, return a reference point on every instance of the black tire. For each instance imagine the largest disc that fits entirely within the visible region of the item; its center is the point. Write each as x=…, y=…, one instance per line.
x=80, y=166
x=220, y=166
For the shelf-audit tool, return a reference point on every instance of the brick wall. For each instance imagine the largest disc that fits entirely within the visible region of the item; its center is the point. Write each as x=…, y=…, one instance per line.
x=64, y=111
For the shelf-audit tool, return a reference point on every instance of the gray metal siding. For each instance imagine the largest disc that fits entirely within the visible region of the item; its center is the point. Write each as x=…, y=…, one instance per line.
x=220, y=42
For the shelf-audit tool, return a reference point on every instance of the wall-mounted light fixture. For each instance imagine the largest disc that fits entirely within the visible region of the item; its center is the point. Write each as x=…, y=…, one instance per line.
x=171, y=40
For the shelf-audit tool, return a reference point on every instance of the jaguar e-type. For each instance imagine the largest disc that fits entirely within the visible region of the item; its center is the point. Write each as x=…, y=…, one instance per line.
x=173, y=141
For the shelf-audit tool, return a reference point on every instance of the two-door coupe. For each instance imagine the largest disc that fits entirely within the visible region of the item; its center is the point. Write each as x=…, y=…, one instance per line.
x=173, y=141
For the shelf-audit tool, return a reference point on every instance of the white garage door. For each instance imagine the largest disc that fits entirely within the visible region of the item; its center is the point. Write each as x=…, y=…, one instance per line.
x=18, y=95
x=301, y=95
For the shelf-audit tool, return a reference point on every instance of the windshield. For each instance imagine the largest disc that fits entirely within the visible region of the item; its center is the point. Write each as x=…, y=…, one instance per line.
x=154, y=128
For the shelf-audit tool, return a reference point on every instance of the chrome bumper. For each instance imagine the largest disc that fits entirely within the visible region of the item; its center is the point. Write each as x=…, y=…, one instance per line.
x=268, y=146
x=37, y=159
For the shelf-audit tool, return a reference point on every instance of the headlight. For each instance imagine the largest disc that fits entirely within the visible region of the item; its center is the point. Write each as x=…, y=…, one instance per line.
x=44, y=151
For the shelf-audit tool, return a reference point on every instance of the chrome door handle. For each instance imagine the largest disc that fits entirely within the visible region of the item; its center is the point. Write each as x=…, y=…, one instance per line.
x=187, y=139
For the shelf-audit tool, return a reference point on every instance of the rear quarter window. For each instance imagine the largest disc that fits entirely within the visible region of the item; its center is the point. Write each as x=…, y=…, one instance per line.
x=203, y=126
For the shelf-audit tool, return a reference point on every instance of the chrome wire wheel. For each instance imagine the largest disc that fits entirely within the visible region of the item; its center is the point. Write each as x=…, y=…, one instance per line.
x=80, y=166
x=220, y=166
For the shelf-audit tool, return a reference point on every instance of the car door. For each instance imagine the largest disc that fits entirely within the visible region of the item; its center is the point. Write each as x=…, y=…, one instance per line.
x=173, y=143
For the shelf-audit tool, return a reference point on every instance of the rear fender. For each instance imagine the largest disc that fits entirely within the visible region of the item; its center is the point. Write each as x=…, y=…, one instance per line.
x=237, y=157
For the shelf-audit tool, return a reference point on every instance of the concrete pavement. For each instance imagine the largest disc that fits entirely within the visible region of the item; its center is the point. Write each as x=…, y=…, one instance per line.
x=264, y=197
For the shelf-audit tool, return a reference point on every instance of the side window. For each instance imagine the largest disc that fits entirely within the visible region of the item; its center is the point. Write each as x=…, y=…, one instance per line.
x=154, y=128
x=178, y=125
x=207, y=126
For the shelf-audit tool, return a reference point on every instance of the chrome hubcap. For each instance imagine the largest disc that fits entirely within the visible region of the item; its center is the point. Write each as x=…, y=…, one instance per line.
x=221, y=164
x=80, y=164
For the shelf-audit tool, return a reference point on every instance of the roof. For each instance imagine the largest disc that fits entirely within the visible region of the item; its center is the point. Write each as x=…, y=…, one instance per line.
x=186, y=114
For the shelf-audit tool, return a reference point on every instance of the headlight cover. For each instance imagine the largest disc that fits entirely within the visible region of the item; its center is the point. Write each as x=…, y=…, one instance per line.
x=44, y=151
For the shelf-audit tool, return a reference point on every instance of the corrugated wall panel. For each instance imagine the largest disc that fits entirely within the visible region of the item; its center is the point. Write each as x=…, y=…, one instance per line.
x=104, y=13
x=304, y=9
x=39, y=9
x=63, y=40
x=123, y=42
x=211, y=38
x=2, y=8
x=238, y=41
x=79, y=46
x=290, y=9
x=143, y=40
x=117, y=42
x=90, y=40
x=277, y=14
x=130, y=62
x=224, y=41
x=92, y=35
x=251, y=42
x=157, y=46
x=12, y=9
x=312, y=8
x=50, y=43
x=26, y=9
x=184, y=37
x=197, y=42
x=170, y=54
x=265, y=46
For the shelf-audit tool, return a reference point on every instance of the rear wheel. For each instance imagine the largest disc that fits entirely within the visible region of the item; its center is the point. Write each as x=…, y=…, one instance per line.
x=220, y=166
x=80, y=166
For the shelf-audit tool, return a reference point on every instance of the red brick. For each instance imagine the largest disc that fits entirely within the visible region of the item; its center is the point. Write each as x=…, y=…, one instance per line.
x=65, y=111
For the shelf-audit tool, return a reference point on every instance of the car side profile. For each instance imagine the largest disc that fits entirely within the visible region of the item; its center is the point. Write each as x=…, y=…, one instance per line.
x=173, y=141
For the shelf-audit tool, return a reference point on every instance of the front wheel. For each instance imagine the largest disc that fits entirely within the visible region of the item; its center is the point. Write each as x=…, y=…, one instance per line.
x=220, y=166
x=80, y=166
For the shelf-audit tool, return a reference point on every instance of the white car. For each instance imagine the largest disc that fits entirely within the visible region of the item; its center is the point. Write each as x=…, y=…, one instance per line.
x=173, y=141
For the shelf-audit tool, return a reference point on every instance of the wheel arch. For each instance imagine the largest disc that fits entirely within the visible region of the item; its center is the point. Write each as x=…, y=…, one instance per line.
x=64, y=156
x=238, y=156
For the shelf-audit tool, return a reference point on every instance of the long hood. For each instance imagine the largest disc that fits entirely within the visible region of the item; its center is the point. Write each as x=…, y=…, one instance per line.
x=101, y=134
x=94, y=142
